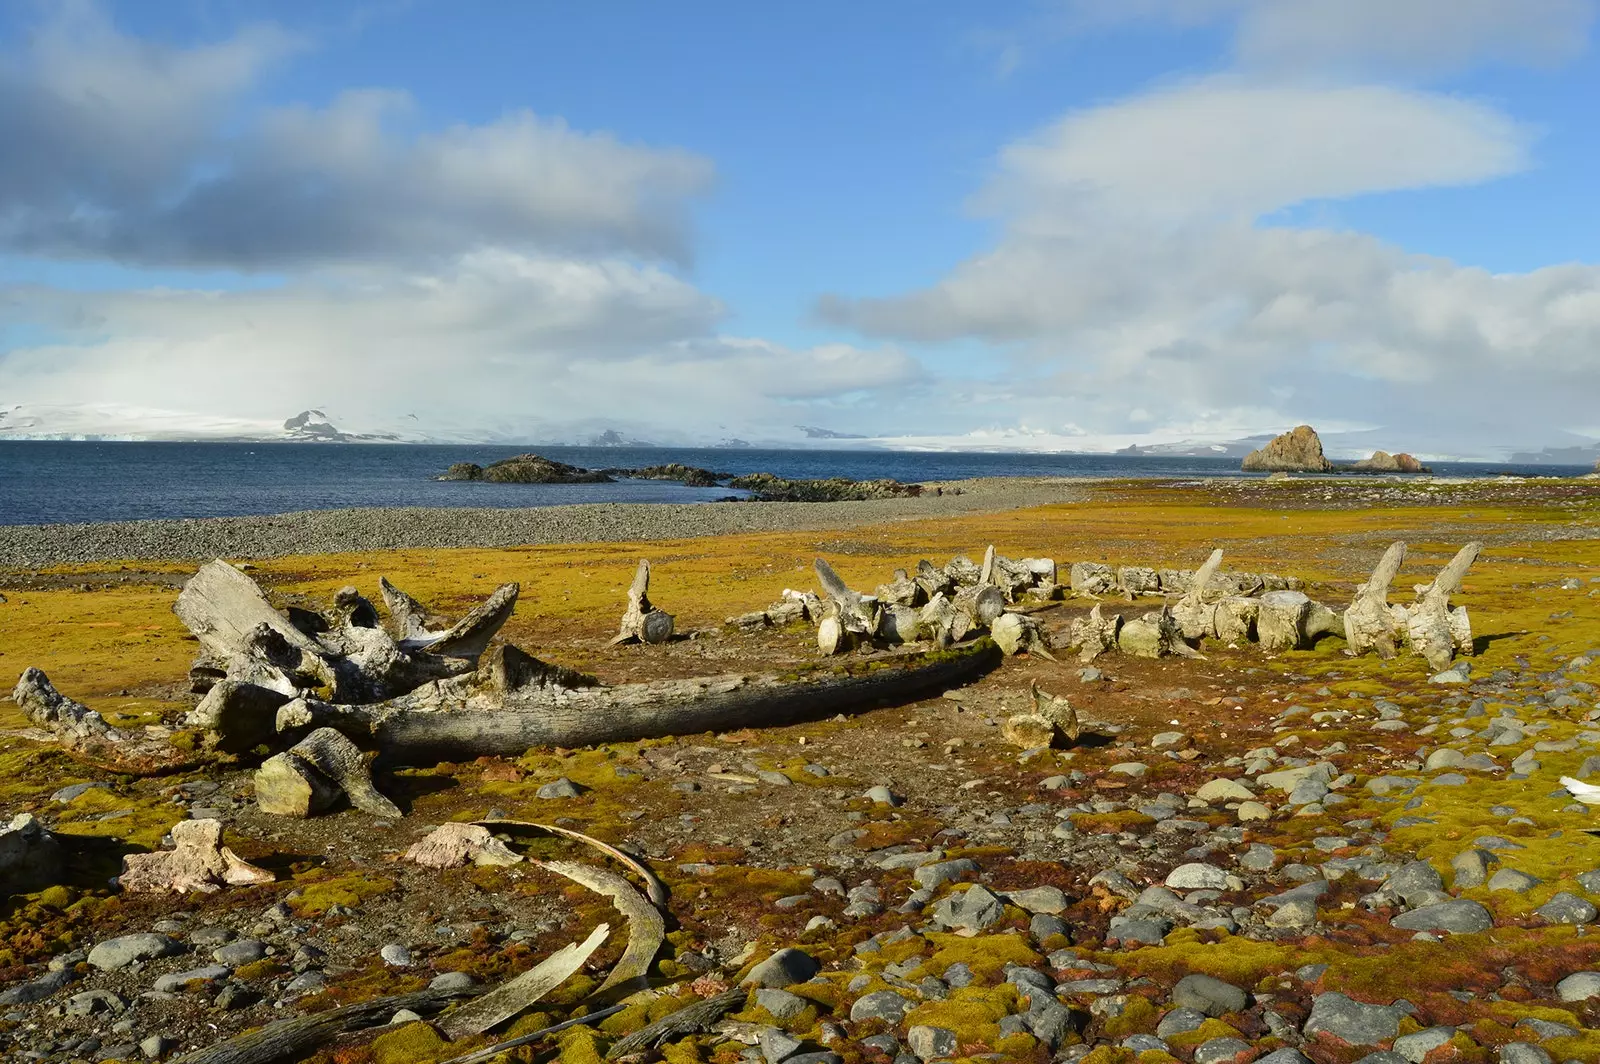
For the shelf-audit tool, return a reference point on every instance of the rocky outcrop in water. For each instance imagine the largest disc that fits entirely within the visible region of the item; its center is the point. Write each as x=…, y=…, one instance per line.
x=769, y=488
x=1384, y=462
x=526, y=469
x=1297, y=451
x=689, y=476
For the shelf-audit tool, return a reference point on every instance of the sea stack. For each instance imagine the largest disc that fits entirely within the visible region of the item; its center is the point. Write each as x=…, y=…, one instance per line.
x=1384, y=462
x=1297, y=451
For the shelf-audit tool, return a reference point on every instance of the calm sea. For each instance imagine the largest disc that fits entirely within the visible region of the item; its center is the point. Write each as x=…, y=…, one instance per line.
x=51, y=482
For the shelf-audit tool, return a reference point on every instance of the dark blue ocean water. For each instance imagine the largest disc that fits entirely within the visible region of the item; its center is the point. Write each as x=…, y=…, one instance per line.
x=51, y=482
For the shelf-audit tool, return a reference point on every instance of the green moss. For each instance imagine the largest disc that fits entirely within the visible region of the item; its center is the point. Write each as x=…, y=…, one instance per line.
x=972, y=1012
x=415, y=1043
x=581, y=1045
x=1139, y=1016
x=986, y=955
x=348, y=890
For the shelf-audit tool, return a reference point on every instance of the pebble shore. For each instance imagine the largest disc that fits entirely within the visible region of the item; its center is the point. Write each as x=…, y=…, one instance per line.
x=340, y=531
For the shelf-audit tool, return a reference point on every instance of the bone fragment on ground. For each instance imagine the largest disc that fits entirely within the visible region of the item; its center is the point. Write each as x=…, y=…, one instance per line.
x=453, y=845
x=1095, y=634
x=198, y=862
x=1433, y=629
x=85, y=734
x=643, y=622
x=309, y=777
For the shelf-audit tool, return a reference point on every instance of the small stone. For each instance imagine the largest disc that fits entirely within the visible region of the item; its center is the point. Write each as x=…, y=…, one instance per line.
x=1220, y=1050
x=1352, y=1022
x=175, y=982
x=1568, y=908
x=1509, y=879
x=233, y=996
x=1224, y=790
x=1249, y=811
x=1050, y=900
x=1523, y=1053
x=1471, y=868
x=882, y=1005
x=777, y=1045
x=784, y=968
x=395, y=955
x=1414, y=1047
x=1136, y=769
x=1180, y=1021
x=1197, y=876
x=973, y=909
x=404, y=1016
x=1460, y=917
x=780, y=1004
x=70, y=793
x=245, y=951
x=929, y=1043
x=558, y=788
x=452, y=981
x=157, y=1046
x=115, y=953
x=1579, y=986
x=1206, y=994
x=882, y=795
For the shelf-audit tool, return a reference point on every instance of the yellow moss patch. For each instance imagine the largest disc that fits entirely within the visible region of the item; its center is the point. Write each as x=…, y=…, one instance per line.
x=986, y=955
x=1241, y=961
x=349, y=890
x=972, y=1012
x=415, y=1043
x=1139, y=1016
x=581, y=1046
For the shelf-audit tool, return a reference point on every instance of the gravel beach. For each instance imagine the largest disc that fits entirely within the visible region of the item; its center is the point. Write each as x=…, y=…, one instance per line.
x=336, y=531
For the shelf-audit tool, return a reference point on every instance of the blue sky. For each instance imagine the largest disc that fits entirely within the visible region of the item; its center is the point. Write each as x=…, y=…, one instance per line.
x=1002, y=225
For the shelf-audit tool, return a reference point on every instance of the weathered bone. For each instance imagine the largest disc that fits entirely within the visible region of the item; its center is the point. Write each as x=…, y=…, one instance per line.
x=455, y=844
x=1369, y=624
x=309, y=776
x=1434, y=630
x=1093, y=635
x=198, y=862
x=643, y=623
x=1197, y=618
x=1015, y=632
x=469, y=637
x=408, y=617
x=1155, y=635
x=854, y=611
x=86, y=735
x=1281, y=621
x=1053, y=722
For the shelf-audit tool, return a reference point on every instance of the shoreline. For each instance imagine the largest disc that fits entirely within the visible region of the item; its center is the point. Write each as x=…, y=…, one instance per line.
x=412, y=528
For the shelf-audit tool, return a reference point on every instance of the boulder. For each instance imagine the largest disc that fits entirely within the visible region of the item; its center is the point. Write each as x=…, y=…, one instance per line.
x=30, y=856
x=1297, y=451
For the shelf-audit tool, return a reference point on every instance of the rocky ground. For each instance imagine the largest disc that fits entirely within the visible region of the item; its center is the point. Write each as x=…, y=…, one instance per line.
x=1303, y=857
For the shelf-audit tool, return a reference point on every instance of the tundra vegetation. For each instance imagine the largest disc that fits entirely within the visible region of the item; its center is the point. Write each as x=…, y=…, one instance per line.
x=1145, y=803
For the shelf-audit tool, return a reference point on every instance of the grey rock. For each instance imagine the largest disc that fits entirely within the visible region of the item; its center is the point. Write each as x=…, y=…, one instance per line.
x=882, y=1005
x=94, y=1003
x=559, y=788
x=177, y=981
x=1145, y=931
x=1471, y=868
x=1460, y=917
x=306, y=983
x=244, y=951
x=1141, y=1043
x=1383, y=1056
x=234, y=996
x=1543, y=1029
x=1197, y=876
x=1414, y=881
x=1353, y=1022
x=73, y=791
x=38, y=989
x=780, y=1004
x=933, y=876
x=1048, y=1019
x=452, y=981
x=1208, y=995
x=157, y=1046
x=973, y=909
x=1568, y=908
x=784, y=968
x=778, y=1045
x=1180, y=1021
x=1044, y=926
x=395, y=955
x=929, y=1043
x=30, y=856
x=210, y=935
x=1523, y=1053
x=882, y=795
x=1050, y=900
x=1413, y=1047
x=1217, y=1050
x=1509, y=879
x=115, y=953
x=1579, y=986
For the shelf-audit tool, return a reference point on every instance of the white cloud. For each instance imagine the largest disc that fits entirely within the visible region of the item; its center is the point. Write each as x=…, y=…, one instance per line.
x=120, y=148
x=1136, y=274
x=502, y=341
x=1221, y=147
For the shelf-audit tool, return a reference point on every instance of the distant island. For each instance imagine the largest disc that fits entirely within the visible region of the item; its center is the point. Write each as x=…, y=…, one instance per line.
x=1300, y=451
x=763, y=487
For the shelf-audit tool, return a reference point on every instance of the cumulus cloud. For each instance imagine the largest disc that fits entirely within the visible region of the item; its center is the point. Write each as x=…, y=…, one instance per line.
x=121, y=148
x=500, y=343
x=1139, y=279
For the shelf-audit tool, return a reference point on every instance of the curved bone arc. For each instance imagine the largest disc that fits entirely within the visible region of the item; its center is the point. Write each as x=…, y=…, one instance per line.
x=646, y=929
x=653, y=886
x=505, y=1001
